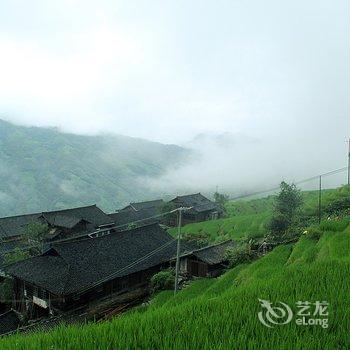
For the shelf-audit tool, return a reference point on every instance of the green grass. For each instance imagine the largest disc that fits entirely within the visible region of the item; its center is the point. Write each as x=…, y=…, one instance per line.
x=248, y=218
x=236, y=227
x=222, y=313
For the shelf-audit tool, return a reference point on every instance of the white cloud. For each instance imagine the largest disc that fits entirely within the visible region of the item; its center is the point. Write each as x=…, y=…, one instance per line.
x=167, y=71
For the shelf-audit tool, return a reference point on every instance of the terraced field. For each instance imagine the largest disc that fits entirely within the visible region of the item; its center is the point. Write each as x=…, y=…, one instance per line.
x=222, y=313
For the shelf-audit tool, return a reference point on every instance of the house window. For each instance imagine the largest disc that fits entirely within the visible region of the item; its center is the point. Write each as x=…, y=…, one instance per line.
x=214, y=215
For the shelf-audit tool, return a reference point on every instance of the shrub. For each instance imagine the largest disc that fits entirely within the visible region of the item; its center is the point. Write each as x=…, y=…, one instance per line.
x=163, y=280
x=279, y=224
x=338, y=206
x=314, y=233
x=16, y=255
x=201, y=239
x=239, y=255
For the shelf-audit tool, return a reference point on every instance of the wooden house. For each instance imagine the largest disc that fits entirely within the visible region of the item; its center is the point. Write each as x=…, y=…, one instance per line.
x=154, y=205
x=201, y=209
x=61, y=224
x=209, y=261
x=130, y=218
x=72, y=274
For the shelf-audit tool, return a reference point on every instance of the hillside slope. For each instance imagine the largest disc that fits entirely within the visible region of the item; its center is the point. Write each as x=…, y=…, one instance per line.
x=44, y=169
x=222, y=313
x=248, y=218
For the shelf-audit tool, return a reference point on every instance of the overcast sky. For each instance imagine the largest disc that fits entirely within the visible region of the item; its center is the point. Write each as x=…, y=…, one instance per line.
x=167, y=70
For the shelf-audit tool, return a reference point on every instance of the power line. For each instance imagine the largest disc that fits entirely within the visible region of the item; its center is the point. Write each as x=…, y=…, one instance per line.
x=349, y=163
x=88, y=235
x=333, y=172
x=177, y=267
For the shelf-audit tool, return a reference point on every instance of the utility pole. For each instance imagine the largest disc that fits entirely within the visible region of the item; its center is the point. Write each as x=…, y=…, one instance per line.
x=349, y=163
x=320, y=200
x=177, y=268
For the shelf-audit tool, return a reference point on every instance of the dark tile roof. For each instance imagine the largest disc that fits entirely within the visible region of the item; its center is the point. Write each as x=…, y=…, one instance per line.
x=9, y=322
x=214, y=254
x=91, y=214
x=145, y=205
x=196, y=201
x=140, y=218
x=15, y=225
x=64, y=221
x=76, y=266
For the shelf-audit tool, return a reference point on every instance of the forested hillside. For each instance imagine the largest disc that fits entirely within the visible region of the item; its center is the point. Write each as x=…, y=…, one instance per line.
x=44, y=169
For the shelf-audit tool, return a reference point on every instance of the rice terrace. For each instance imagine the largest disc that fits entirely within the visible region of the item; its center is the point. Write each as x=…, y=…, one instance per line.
x=223, y=312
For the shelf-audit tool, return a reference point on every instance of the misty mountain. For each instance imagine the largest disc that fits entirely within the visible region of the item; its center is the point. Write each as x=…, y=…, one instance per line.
x=45, y=169
x=224, y=141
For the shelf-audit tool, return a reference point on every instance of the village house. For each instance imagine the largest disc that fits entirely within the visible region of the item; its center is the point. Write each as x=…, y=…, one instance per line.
x=201, y=209
x=74, y=273
x=71, y=274
x=60, y=224
x=209, y=261
x=154, y=205
x=130, y=218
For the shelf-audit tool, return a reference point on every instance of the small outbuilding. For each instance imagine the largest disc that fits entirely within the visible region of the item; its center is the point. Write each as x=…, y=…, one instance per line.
x=201, y=209
x=209, y=261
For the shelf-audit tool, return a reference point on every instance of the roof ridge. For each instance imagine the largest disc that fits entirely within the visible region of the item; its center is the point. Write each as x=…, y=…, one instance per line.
x=20, y=215
x=148, y=201
x=67, y=209
x=87, y=237
x=50, y=211
x=213, y=245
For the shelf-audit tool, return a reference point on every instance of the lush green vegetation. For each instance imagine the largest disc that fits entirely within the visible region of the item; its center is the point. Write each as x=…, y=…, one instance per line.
x=43, y=169
x=250, y=218
x=222, y=313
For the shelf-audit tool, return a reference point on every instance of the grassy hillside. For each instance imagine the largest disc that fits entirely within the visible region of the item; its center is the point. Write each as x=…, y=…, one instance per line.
x=43, y=169
x=222, y=313
x=248, y=218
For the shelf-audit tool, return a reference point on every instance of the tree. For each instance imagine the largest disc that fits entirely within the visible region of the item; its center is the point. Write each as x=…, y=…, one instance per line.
x=221, y=199
x=17, y=254
x=34, y=235
x=286, y=209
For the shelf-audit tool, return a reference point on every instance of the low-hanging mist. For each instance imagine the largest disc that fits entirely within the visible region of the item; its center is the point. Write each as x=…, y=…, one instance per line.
x=237, y=164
